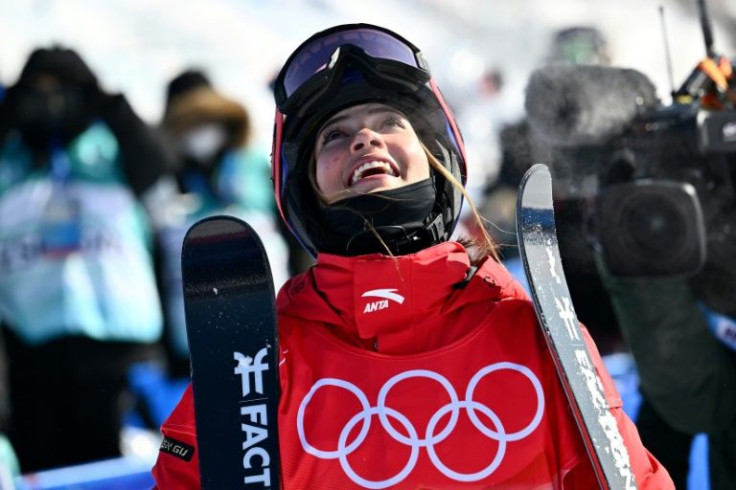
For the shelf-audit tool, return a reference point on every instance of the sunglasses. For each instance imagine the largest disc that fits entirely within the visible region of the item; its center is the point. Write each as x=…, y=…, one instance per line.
x=314, y=58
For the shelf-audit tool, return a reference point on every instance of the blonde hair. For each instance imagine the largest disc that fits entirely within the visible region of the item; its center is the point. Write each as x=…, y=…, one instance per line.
x=484, y=246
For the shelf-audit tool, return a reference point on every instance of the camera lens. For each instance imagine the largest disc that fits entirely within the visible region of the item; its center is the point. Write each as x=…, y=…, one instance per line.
x=650, y=229
x=654, y=224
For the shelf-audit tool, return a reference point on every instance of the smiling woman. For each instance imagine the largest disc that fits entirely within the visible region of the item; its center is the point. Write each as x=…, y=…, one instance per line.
x=369, y=169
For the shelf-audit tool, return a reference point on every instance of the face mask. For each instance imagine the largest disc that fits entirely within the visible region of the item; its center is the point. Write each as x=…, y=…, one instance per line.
x=395, y=215
x=203, y=142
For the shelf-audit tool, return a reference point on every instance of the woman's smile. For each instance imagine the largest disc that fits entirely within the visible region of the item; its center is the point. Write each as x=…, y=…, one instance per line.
x=367, y=148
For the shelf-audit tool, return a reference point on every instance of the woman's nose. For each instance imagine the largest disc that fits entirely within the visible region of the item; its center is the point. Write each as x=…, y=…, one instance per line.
x=365, y=137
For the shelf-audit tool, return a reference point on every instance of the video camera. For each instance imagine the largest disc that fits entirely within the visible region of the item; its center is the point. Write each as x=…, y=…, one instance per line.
x=669, y=191
x=658, y=181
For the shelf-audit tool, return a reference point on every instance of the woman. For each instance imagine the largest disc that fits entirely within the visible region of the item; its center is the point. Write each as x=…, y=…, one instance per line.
x=218, y=171
x=404, y=363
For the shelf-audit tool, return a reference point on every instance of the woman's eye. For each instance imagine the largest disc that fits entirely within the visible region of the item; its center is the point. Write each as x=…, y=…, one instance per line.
x=393, y=122
x=331, y=135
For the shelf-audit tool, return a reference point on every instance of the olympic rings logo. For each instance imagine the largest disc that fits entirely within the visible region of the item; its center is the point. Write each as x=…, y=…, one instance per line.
x=432, y=434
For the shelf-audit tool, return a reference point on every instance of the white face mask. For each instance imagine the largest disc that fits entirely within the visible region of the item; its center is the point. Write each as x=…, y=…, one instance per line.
x=204, y=141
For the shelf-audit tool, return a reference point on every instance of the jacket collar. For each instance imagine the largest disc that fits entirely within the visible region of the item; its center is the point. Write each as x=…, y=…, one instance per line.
x=382, y=302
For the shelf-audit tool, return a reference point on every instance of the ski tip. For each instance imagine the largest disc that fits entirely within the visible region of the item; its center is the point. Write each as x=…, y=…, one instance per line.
x=538, y=169
x=535, y=190
x=217, y=225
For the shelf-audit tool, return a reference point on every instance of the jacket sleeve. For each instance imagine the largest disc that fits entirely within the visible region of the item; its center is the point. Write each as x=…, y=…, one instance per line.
x=177, y=466
x=686, y=374
x=145, y=158
x=648, y=472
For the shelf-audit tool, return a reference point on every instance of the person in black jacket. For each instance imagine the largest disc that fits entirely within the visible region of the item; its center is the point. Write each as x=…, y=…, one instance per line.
x=78, y=296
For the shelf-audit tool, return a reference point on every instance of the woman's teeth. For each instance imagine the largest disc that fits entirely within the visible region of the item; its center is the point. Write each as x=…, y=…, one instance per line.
x=371, y=168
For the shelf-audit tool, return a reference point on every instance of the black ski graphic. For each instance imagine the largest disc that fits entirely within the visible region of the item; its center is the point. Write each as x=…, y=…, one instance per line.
x=231, y=328
x=535, y=223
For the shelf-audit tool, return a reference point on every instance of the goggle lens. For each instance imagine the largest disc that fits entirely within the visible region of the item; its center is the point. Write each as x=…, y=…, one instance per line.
x=316, y=54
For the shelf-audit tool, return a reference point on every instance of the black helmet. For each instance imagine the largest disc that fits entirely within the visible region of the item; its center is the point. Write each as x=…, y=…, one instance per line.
x=338, y=68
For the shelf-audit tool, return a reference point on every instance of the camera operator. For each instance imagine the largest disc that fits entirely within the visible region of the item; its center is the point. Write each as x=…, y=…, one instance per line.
x=669, y=314
x=687, y=376
x=656, y=188
x=670, y=305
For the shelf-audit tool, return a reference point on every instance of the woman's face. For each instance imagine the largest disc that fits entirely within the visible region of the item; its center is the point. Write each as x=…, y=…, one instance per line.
x=367, y=148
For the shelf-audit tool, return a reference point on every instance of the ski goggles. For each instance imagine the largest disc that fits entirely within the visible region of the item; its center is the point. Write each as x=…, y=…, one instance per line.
x=310, y=62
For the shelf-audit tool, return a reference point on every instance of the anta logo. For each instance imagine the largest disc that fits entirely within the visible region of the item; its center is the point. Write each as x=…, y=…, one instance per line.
x=385, y=296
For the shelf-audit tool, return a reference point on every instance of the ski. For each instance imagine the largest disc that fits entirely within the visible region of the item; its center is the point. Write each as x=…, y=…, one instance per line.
x=231, y=328
x=535, y=225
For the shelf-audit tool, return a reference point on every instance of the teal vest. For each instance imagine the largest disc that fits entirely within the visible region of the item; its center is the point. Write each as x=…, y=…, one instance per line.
x=75, y=246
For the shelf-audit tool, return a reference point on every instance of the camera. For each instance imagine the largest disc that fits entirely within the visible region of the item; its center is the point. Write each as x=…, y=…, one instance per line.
x=652, y=184
x=662, y=198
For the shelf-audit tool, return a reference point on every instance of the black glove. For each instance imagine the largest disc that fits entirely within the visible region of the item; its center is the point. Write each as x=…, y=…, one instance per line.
x=144, y=155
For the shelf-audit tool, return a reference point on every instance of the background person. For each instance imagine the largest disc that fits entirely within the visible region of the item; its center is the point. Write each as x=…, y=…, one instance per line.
x=9, y=467
x=615, y=147
x=688, y=377
x=218, y=171
x=76, y=166
x=680, y=324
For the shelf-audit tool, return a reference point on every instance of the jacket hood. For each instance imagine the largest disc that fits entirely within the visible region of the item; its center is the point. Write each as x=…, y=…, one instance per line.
x=395, y=304
x=63, y=63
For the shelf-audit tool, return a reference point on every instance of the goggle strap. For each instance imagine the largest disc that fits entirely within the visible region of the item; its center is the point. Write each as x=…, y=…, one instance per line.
x=276, y=165
x=451, y=121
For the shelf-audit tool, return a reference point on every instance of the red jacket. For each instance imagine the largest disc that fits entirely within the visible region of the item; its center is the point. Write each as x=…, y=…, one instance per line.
x=394, y=376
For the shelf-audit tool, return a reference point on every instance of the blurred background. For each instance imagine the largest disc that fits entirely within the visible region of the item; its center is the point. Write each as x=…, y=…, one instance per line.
x=481, y=52
x=137, y=46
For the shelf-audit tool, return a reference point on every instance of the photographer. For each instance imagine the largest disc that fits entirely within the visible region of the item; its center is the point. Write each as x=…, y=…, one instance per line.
x=674, y=300
x=656, y=187
x=76, y=167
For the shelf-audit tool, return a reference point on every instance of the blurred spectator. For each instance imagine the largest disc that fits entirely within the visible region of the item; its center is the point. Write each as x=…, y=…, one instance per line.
x=582, y=45
x=78, y=295
x=482, y=112
x=218, y=171
x=515, y=154
x=519, y=150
